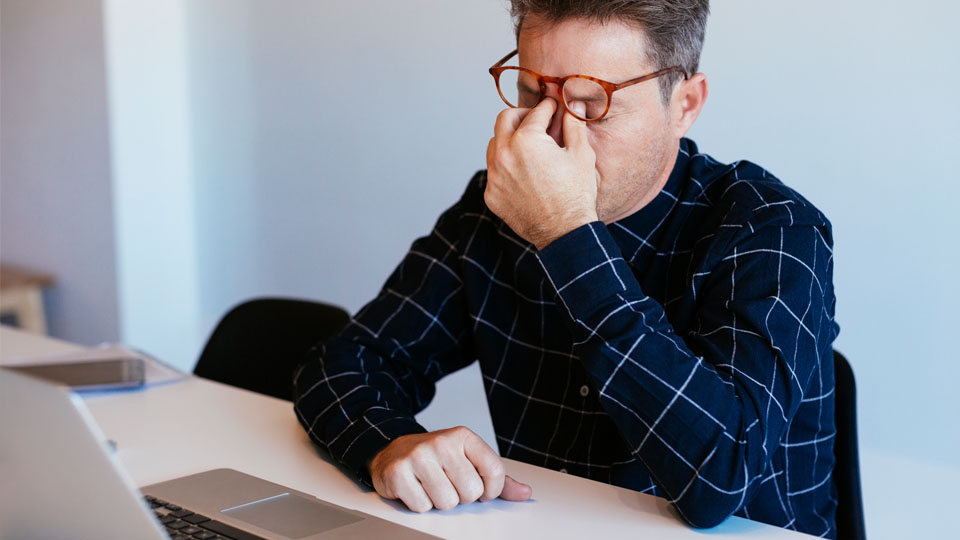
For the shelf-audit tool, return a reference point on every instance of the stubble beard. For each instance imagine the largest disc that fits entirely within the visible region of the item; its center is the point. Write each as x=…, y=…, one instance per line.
x=632, y=185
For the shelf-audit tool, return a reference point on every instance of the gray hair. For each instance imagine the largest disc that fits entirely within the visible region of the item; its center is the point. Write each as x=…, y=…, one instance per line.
x=673, y=29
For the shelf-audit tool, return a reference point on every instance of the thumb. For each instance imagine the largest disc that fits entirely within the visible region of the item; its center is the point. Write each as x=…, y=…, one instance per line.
x=574, y=129
x=515, y=491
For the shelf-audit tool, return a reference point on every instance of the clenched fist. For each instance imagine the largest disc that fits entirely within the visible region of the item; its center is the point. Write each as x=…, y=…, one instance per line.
x=538, y=188
x=442, y=469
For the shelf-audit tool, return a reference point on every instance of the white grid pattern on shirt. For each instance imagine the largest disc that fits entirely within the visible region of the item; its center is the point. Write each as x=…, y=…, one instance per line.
x=572, y=425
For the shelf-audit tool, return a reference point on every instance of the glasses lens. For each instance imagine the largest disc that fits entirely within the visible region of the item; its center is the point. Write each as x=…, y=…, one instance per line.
x=519, y=88
x=586, y=99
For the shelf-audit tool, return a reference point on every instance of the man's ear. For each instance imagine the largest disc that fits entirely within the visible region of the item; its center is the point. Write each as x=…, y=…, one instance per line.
x=687, y=102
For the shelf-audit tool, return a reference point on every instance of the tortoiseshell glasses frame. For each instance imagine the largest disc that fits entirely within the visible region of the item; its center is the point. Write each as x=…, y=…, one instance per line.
x=542, y=80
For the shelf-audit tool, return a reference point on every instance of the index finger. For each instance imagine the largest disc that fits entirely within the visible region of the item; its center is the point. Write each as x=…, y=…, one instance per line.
x=488, y=466
x=539, y=117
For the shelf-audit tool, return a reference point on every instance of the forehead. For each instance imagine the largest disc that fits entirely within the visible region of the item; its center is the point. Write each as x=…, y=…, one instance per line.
x=612, y=50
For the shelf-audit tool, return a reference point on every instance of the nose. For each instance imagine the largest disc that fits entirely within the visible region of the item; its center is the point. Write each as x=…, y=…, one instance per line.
x=555, y=129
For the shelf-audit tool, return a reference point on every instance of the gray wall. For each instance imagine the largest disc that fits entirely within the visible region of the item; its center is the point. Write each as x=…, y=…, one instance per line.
x=852, y=103
x=324, y=136
x=56, y=212
x=328, y=136
x=153, y=184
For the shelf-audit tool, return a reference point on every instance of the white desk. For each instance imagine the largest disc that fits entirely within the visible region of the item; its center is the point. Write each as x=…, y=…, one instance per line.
x=229, y=427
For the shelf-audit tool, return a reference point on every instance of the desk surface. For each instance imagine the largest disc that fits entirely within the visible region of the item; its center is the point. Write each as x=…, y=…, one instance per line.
x=259, y=435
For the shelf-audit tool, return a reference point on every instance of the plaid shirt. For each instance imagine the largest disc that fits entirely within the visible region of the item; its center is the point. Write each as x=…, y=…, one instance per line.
x=684, y=351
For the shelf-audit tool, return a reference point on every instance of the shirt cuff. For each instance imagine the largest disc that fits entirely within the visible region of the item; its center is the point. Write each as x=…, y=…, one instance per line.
x=373, y=433
x=588, y=272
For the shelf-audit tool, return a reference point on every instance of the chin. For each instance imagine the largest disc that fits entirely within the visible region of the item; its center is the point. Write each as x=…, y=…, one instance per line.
x=617, y=204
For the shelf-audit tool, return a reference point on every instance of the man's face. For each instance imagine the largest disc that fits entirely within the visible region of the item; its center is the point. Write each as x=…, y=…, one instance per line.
x=634, y=143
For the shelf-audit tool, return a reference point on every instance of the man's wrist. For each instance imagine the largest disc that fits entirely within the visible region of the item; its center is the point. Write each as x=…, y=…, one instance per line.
x=375, y=454
x=588, y=272
x=544, y=240
x=373, y=442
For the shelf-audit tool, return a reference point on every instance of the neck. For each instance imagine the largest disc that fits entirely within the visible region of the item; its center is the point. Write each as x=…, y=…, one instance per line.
x=654, y=190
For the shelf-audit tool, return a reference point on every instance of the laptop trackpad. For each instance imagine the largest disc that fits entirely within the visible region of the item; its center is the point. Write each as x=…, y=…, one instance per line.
x=291, y=516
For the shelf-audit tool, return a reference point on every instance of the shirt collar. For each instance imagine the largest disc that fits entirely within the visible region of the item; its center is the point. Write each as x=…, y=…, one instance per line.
x=643, y=227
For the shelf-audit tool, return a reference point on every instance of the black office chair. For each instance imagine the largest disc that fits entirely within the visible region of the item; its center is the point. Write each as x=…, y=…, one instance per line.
x=846, y=472
x=258, y=344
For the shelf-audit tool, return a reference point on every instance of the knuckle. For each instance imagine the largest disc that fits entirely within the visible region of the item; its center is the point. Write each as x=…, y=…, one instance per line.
x=420, y=506
x=383, y=488
x=455, y=434
x=496, y=469
x=472, y=492
x=446, y=503
x=391, y=473
x=439, y=449
x=441, y=442
x=524, y=144
x=420, y=453
x=440, y=439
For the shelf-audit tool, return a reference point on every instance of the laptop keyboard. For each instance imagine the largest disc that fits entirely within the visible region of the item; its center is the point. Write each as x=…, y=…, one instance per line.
x=183, y=524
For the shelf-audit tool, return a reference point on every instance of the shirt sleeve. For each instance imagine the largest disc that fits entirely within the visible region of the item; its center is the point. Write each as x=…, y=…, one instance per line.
x=360, y=390
x=703, y=412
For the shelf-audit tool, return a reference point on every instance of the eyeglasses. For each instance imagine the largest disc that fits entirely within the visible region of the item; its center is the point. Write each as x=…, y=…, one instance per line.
x=521, y=87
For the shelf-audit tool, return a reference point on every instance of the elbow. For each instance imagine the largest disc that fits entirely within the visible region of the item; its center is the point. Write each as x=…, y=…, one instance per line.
x=703, y=515
x=704, y=503
x=703, y=510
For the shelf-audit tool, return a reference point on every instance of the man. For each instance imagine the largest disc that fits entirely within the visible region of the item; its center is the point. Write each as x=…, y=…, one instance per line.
x=643, y=315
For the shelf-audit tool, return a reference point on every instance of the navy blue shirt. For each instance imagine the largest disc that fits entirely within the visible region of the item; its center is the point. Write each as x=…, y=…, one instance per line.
x=684, y=351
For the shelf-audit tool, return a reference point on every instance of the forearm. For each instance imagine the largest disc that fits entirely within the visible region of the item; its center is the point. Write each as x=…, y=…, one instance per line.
x=704, y=428
x=361, y=390
x=352, y=413
x=700, y=439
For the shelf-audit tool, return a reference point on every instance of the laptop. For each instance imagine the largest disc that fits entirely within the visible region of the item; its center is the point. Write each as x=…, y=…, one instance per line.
x=60, y=480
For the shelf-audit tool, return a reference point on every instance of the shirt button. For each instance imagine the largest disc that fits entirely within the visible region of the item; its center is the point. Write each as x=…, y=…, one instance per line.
x=584, y=390
x=564, y=471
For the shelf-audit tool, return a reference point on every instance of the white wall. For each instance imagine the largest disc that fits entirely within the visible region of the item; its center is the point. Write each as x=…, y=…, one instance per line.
x=322, y=137
x=329, y=135
x=55, y=194
x=154, y=211
x=854, y=104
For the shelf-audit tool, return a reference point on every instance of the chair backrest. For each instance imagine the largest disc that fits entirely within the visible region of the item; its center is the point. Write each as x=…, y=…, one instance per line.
x=258, y=344
x=846, y=472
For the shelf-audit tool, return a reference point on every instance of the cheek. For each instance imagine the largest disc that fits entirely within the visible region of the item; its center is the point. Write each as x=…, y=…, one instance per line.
x=612, y=146
x=604, y=141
